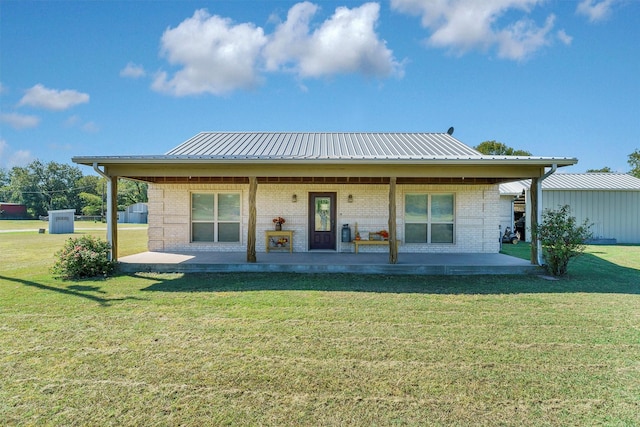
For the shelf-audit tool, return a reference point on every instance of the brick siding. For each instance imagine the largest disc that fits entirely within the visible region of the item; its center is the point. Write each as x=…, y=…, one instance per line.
x=476, y=215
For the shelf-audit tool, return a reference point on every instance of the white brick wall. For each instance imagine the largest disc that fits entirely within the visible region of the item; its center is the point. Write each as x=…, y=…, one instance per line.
x=476, y=215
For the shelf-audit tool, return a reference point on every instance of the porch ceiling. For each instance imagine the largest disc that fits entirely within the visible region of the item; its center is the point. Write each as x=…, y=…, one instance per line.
x=311, y=180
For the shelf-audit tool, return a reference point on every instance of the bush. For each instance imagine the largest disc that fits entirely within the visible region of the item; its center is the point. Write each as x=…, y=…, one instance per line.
x=561, y=238
x=83, y=257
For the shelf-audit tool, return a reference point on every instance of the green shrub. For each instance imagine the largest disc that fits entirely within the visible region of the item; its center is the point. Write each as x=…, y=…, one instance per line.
x=82, y=257
x=561, y=238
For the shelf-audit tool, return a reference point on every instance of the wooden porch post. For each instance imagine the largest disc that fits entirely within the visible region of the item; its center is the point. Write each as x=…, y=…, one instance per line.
x=112, y=218
x=533, y=215
x=251, y=231
x=393, y=243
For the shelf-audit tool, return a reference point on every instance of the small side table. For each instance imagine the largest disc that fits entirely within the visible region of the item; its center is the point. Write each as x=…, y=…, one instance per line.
x=279, y=240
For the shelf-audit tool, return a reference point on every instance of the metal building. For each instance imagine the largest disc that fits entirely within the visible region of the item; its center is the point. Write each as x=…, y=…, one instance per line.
x=61, y=221
x=609, y=201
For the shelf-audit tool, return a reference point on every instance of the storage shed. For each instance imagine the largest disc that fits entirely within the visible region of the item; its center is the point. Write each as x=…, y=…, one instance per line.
x=61, y=221
x=609, y=201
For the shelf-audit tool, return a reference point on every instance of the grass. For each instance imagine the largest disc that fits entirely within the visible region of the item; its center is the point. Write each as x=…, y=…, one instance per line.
x=286, y=349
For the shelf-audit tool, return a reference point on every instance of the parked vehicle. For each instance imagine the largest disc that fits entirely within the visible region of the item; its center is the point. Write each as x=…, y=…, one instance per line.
x=510, y=237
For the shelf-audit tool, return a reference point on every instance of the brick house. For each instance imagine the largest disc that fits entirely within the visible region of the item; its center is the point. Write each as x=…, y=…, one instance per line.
x=221, y=191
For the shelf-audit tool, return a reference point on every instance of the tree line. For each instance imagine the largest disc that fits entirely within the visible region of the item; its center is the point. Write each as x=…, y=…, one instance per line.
x=42, y=187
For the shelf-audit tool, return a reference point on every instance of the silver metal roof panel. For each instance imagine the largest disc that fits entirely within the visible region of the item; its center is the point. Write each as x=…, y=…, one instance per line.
x=288, y=145
x=591, y=181
x=577, y=182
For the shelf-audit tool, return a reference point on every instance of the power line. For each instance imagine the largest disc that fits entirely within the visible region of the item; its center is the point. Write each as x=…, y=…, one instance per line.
x=52, y=191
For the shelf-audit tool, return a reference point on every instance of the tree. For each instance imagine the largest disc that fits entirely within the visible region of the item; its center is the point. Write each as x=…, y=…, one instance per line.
x=634, y=162
x=91, y=184
x=4, y=185
x=4, y=177
x=92, y=190
x=605, y=169
x=131, y=192
x=562, y=238
x=93, y=204
x=43, y=187
x=499, y=149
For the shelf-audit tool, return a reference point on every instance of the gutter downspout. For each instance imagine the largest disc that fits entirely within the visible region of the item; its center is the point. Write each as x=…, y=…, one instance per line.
x=554, y=167
x=109, y=207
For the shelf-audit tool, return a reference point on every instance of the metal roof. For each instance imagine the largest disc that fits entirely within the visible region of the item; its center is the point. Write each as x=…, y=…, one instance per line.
x=514, y=188
x=578, y=182
x=325, y=147
x=338, y=146
x=591, y=181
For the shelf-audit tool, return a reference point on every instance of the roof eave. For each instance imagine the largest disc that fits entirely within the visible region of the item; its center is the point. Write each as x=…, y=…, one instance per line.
x=176, y=160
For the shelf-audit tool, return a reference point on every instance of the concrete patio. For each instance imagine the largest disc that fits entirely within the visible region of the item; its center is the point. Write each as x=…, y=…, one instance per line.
x=327, y=262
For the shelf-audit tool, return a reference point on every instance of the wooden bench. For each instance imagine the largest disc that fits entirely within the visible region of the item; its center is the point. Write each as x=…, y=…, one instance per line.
x=370, y=242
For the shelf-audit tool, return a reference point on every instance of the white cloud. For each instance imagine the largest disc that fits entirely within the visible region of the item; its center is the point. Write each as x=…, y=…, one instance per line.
x=10, y=158
x=19, y=158
x=344, y=43
x=76, y=122
x=90, y=127
x=595, y=10
x=52, y=99
x=523, y=37
x=290, y=39
x=72, y=121
x=465, y=25
x=215, y=55
x=133, y=71
x=564, y=37
x=20, y=121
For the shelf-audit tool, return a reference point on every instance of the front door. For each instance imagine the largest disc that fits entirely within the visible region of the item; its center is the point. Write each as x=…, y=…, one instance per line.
x=322, y=221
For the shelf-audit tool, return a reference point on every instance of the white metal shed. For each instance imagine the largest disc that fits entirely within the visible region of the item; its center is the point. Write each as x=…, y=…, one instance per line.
x=61, y=221
x=610, y=201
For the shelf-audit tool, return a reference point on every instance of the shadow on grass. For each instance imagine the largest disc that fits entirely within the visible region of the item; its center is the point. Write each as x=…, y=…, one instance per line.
x=73, y=290
x=588, y=274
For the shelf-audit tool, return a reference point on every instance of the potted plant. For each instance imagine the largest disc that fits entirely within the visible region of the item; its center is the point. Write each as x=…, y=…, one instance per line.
x=278, y=221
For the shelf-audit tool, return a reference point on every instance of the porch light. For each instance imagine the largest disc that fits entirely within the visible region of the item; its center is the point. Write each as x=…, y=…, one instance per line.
x=294, y=198
x=350, y=198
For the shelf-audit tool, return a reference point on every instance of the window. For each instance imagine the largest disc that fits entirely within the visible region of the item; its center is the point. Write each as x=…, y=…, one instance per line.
x=215, y=217
x=429, y=218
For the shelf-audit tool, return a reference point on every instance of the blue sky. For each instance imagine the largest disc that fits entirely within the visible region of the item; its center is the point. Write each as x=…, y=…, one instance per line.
x=556, y=78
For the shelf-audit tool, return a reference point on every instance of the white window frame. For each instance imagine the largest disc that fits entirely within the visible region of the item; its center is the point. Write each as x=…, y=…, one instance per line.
x=429, y=222
x=215, y=220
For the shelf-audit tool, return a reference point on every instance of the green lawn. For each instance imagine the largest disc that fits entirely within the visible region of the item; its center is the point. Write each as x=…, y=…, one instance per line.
x=292, y=350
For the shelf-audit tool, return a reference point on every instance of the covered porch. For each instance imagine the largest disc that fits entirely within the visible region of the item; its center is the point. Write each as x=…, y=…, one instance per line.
x=327, y=262
x=266, y=173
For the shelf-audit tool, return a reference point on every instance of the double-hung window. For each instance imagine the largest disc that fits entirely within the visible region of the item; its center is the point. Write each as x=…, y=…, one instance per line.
x=215, y=217
x=429, y=218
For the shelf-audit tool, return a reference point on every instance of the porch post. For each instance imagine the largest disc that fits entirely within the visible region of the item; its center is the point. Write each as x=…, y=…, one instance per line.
x=533, y=215
x=112, y=216
x=393, y=243
x=251, y=229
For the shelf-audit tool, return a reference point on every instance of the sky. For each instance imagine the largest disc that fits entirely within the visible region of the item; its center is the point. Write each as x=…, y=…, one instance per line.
x=117, y=78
